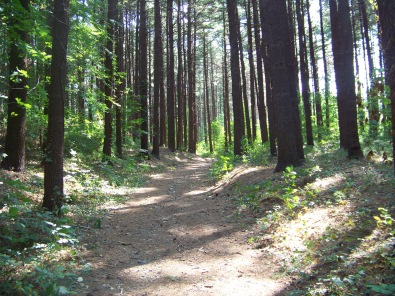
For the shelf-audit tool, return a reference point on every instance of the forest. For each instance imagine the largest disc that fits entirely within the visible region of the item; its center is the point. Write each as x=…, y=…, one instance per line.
x=161, y=130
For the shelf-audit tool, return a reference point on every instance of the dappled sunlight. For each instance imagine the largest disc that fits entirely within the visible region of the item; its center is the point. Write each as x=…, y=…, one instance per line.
x=195, y=192
x=209, y=273
x=196, y=232
x=327, y=183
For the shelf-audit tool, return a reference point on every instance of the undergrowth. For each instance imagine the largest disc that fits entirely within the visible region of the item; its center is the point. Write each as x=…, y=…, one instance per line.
x=330, y=223
x=39, y=253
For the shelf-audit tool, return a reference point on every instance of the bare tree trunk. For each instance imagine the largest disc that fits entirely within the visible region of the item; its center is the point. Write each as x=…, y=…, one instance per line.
x=324, y=60
x=180, y=89
x=386, y=11
x=304, y=72
x=345, y=80
x=170, y=79
x=259, y=68
x=317, y=93
x=53, y=169
x=205, y=69
x=236, y=81
x=252, y=70
x=143, y=77
x=280, y=54
x=109, y=85
x=158, y=78
x=244, y=83
x=120, y=87
x=228, y=137
x=18, y=62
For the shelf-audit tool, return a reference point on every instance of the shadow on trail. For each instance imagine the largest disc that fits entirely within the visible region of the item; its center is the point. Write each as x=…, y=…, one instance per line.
x=145, y=242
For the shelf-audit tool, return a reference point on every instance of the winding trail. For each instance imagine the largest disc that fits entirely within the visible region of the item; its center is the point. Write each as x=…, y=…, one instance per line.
x=176, y=236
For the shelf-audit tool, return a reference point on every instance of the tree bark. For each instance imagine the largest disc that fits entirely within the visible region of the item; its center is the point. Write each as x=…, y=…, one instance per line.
x=237, y=97
x=180, y=79
x=324, y=60
x=158, y=79
x=344, y=73
x=120, y=87
x=19, y=63
x=279, y=51
x=143, y=77
x=259, y=69
x=170, y=79
x=252, y=70
x=53, y=168
x=386, y=11
x=304, y=72
x=109, y=85
x=317, y=93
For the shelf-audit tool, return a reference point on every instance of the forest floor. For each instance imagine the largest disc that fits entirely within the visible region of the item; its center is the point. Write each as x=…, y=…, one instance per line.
x=178, y=234
x=323, y=229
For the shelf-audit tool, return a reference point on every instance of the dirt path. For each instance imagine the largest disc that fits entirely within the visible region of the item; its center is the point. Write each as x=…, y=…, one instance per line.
x=176, y=237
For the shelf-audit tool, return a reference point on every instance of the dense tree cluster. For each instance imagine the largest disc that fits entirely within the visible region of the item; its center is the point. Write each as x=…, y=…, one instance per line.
x=179, y=73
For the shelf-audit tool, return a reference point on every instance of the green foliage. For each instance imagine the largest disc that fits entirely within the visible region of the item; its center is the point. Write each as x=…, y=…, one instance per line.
x=221, y=166
x=255, y=154
x=29, y=238
x=385, y=220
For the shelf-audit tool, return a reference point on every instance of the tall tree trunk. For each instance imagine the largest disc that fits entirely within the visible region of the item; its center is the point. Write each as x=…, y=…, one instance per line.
x=227, y=129
x=18, y=33
x=81, y=91
x=386, y=11
x=162, y=99
x=244, y=83
x=292, y=66
x=324, y=60
x=194, y=56
x=269, y=93
x=143, y=77
x=252, y=69
x=373, y=106
x=180, y=89
x=191, y=101
x=317, y=93
x=109, y=85
x=237, y=97
x=304, y=72
x=158, y=78
x=120, y=87
x=279, y=49
x=207, y=101
x=361, y=112
x=344, y=73
x=170, y=79
x=53, y=169
x=259, y=68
